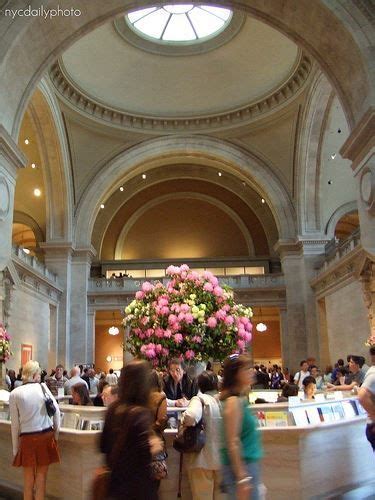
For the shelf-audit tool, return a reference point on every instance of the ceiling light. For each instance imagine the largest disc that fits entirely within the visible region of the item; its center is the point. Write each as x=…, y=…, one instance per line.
x=121, y=189
x=263, y=200
x=102, y=205
x=33, y=165
x=144, y=176
x=330, y=182
x=27, y=141
x=333, y=156
x=37, y=192
x=261, y=327
x=219, y=174
x=26, y=250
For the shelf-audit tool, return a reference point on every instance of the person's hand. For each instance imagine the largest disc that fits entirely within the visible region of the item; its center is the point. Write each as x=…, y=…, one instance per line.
x=243, y=491
x=182, y=402
x=156, y=444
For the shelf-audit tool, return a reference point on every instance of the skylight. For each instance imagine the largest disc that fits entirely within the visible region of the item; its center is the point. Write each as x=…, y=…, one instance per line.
x=179, y=23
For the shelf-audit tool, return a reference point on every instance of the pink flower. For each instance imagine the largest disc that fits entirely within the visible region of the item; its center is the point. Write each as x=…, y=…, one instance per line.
x=248, y=337
x=229, y=320
x=147, y=287
x=172, y=319
x=167, y=334
x=218, y=291
x=175, y=308
x=164, y=310
x=207, y=275
x=178, y=338
x=241, y=344
x=159, y=332
x=208, y=287
x=149, y=332
x=189, y=354
x=226, y=307
x=181, y=316
x=163, y=301
x=158, y=348
x=214, y=281
x=184, y=308
x=176, y=327
x=144, y=320
x=197, y=339
x=241, y=333
x=211, y=322
x=220, y=314
x=185, y=268
x=139, y=295
x=189, y=318
x=165, y=351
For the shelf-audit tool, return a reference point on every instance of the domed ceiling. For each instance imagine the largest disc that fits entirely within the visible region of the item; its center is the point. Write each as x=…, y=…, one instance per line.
x=254, y=63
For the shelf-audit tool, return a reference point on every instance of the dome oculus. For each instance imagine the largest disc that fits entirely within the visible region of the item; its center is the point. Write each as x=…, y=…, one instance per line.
x=179, y=23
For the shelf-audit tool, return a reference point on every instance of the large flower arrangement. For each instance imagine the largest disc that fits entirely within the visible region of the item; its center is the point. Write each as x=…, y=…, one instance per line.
x=5, y=352
x=370, y=342
x=192, y=317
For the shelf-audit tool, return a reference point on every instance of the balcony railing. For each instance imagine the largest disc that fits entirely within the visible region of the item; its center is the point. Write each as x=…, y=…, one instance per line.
x=242, y=282
x=33, y=263
x=335, y=250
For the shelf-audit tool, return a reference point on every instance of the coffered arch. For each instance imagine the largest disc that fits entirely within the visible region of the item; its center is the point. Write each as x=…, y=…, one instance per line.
x=174, y=150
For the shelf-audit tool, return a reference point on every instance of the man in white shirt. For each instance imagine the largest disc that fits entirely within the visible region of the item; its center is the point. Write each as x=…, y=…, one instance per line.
x=74, y=379
x=302, y=374
x=111, y=378
x=366, y=396
x=93, y=382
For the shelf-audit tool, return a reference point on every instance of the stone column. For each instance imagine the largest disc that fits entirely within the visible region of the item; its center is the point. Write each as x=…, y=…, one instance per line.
x=360, y=149
x=58, y=259
x=82, y=334
x=91, y=333
x=299, y=331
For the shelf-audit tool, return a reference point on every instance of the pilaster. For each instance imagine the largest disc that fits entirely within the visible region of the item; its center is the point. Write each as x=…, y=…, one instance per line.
x=82, y=330
x=11, y=159
x=58, y=258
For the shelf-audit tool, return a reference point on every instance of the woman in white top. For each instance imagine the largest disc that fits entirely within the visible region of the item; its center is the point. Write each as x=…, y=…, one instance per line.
x=33, y=432
x=204, y=467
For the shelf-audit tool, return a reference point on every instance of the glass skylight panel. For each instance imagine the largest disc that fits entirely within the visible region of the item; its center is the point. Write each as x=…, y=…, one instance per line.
x=178, y=9
x=134, y=16
x=179, y=23
x=205, y=23
x=217, y=11
x=153, y=24
x=179, y=29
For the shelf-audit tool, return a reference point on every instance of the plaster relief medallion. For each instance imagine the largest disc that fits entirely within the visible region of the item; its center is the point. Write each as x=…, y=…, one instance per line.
x=4, y=198
x=368, y=189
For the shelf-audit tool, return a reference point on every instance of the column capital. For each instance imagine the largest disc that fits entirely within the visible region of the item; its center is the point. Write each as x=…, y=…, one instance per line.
x=361, y=140
x=10, y=153
x=84, y=254
x=57, y=250
x=288, y=247
x=300, y=247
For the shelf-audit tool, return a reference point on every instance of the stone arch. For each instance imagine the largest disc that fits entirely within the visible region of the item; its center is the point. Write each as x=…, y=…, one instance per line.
x=121, y=241
x=321, y=33
x=26, y=219
x=167, y=150
x=309, y=156
x=344, y=209
x=47, y=120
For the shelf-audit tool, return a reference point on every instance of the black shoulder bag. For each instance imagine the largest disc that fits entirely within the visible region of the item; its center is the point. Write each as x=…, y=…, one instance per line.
x=191, y=439
x=50, y=406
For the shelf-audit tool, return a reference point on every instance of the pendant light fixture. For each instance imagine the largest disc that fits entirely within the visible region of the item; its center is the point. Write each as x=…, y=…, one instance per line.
x=113, y=330
x=261, y=327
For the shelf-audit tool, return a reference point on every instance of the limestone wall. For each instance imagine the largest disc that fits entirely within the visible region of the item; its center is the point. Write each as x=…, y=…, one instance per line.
x=29, y=323
x=347, y=322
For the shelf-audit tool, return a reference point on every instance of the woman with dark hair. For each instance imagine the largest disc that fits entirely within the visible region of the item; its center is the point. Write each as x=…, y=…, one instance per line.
x=287, y=391
x=126, y=439
x=309, y=388
x=204, y=467
x=242, y=448
x=80, y=395
x=158, y=407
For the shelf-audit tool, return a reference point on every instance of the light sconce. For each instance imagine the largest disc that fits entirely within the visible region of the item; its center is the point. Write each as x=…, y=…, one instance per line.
x=261, y=327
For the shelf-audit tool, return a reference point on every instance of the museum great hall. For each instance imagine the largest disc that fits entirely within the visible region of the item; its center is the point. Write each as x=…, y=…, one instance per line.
x=242, y=144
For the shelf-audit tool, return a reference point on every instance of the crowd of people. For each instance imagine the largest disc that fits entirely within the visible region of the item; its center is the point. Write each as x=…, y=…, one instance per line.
x=136, y=418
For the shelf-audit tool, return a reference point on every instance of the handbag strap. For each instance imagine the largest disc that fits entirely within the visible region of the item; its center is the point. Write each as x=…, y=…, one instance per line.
x=202, y=420
x=45, y=394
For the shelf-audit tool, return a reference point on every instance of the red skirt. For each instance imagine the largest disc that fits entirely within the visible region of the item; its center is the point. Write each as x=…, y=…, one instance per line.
x=37, y=449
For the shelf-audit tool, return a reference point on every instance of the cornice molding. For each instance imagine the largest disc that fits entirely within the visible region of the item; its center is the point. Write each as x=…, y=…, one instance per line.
x=361, y=139
x=9, y=150
x=78, y=100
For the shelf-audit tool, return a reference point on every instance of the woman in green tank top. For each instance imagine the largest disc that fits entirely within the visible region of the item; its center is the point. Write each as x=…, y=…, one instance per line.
x=241, y=448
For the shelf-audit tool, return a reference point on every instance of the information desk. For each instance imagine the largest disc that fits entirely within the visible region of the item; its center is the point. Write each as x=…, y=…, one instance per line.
x=305, y=457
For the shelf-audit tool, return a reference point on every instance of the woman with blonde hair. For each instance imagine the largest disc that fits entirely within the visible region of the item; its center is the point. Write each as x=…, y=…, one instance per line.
x=34, y=433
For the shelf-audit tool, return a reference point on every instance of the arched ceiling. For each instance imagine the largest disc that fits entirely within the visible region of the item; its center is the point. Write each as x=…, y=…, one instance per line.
x=108, y=226
x=253, y=64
